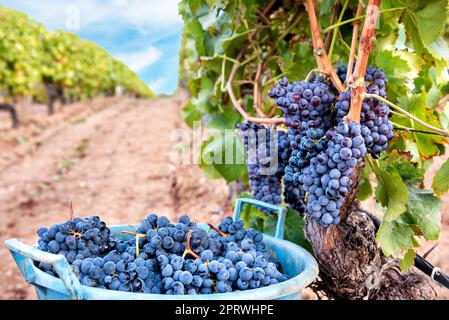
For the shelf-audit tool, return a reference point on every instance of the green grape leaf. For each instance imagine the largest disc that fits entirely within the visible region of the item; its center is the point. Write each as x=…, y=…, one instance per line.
x=408, y=261
x=428, y=144
x=190, y=114
x=224, y=151
x=226, y=119
x=422, y=218
x=256, y=223
x=394, y=237
x=427, y=18
x=423, y=211
x=440, y=182
x=326, y=6
x=297, y=62
x=396, y=69
x=391, y=192
x=440, y=51
x=293, y=230
x=402, y=163
x=365, y=188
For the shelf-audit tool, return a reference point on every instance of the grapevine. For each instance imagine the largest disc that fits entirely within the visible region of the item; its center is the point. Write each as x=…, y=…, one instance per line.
x=56, y=65
x=373, y=116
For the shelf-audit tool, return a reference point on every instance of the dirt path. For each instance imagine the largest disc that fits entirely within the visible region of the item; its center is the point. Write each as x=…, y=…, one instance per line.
x=114, y=163
x=111, y=158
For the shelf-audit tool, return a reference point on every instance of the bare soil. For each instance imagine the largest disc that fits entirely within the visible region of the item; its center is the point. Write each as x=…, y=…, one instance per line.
x=110, y=157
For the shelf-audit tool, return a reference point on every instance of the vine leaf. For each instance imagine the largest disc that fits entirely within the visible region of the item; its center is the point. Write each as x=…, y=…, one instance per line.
x=424, y=21
x=365, y=188
x=190, y=114
x=396, y=69
x=402, y=163
x=294, y=223
x=427, y=18
x=422, y=218
x=391, y=192
x=251, y=216
x=408, y=261
x=423, y=211
x=440, y=182
x=444, y=117
x=223, y=153
x=395, y=236
x=297, y=62
x=226, y=119
x=428, y=145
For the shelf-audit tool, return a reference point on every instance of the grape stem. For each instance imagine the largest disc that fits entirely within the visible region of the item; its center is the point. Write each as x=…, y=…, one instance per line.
x=133, y=233
x=355, y=36
x=236, y=65
x=367, y=40
x=358, y=18
x=221, y=233
x=404, y=128
x=411, y=116
x=188, y=250
x=72, y=212
x=257, y=95
x=323, y=61
x=138, y=236
x=334, y=35
x=332, y=21
x=375, y=167
x=237, y=104
x=313, y=71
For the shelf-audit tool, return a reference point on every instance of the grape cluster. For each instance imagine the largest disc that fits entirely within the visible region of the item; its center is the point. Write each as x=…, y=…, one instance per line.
x=328, y=178
x=376, y=129
x=75, y=239
x=304, y=104
x=284, y=152
x=264, y=174
x=229, y=259
x=307, y=111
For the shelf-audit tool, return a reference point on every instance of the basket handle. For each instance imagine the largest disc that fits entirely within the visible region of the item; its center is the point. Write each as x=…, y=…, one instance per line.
x=282, y=212
x=24, y=255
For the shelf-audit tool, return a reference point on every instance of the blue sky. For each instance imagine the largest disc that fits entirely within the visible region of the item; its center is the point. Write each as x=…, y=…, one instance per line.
x=144, y=34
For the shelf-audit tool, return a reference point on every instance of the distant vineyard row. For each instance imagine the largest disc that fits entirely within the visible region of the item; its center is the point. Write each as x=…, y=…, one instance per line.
x=40, y=64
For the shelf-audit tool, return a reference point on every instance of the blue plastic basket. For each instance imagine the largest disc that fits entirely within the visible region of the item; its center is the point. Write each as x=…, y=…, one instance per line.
x=296, y=262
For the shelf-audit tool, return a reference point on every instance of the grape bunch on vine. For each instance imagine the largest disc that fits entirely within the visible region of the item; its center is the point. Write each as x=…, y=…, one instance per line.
x=358, y=91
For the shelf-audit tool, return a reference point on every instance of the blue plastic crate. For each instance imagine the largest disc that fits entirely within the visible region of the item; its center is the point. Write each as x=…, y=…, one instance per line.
x=295, y=261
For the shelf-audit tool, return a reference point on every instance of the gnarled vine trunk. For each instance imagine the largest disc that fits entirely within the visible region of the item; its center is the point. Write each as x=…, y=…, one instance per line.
x=352, y=266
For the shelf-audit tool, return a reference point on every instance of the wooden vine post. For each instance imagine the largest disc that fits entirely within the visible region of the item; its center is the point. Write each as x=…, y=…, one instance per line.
x=352, y=265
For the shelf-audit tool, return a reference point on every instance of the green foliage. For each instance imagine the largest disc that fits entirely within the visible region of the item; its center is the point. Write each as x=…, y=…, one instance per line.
x=31, y=56
x=440, y=182
x=365, y=188
x=428, y=145
x=391, y=192
x=222, y=155
x=294, y=223
x=294, y=228
x=410, y=47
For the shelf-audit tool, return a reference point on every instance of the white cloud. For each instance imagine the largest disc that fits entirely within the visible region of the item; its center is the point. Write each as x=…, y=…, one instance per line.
x=156, y=85
x=140, y=14
x=138, y=61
